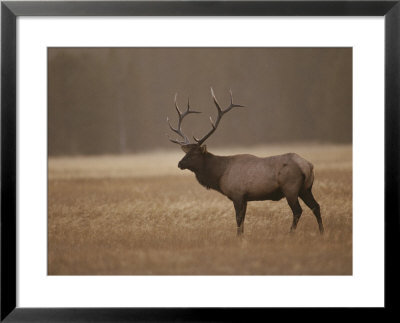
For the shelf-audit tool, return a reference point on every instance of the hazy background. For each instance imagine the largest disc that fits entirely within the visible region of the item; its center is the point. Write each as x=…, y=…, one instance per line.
x=116, y=100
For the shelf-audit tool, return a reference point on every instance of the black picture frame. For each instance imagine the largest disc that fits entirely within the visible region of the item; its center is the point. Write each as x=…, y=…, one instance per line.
x=11, y=10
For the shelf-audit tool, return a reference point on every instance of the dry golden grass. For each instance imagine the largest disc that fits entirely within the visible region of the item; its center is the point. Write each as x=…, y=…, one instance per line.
x=141, y=215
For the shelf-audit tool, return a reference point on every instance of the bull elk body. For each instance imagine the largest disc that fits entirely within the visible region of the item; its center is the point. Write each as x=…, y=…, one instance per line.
x=244, y=178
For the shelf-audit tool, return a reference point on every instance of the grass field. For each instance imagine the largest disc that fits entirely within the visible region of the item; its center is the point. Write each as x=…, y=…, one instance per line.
x=141, y=215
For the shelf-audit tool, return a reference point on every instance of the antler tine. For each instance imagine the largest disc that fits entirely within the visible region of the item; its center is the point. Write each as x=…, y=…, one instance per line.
x=219, y=116
x=172, y=128
x=173, y=140
x=215, y=101
x=232, y=105
x=212, y=122
x=178, y=129
x=176, y=104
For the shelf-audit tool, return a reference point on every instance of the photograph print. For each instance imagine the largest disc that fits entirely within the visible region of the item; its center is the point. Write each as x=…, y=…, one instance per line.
x=200, y=161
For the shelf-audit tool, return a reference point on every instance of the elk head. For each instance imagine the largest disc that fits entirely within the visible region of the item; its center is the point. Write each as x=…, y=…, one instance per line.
x=196, y=152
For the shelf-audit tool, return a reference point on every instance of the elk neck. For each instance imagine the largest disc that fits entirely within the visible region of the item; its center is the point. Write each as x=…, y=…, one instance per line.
x=212, y=169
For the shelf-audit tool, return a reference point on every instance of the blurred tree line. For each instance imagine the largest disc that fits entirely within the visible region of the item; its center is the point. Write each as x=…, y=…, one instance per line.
x=116, y=100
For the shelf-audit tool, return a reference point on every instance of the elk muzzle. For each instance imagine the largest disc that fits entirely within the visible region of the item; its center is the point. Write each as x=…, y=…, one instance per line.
x=180, y=165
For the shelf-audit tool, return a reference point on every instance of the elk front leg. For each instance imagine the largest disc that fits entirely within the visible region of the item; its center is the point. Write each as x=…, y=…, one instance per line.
x=240, y=208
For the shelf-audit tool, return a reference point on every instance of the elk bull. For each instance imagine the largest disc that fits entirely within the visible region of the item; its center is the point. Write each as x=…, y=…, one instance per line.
x=244, y=178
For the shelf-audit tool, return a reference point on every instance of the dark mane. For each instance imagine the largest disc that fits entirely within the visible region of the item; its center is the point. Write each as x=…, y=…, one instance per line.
x=213, y=168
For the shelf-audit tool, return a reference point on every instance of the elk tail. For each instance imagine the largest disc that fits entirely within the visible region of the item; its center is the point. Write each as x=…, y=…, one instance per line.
x=309, y=180
x=307, y=169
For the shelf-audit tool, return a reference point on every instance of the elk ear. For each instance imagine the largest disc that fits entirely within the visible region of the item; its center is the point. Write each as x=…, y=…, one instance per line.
x=203, y=149
x=186, y=148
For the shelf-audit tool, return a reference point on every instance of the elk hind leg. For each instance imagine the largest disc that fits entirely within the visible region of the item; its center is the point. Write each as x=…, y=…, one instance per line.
x=294, y=204
x=308, y=198
x=240, y=208
x=292, y=180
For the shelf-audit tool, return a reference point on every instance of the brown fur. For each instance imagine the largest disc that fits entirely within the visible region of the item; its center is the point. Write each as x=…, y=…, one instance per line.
x=244, y=178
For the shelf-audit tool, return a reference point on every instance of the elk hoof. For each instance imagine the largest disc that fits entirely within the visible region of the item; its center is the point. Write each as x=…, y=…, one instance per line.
x=240, y=231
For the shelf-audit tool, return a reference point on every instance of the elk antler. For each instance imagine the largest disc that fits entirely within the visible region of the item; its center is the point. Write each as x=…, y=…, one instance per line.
x=220, y=114
x=178, y=129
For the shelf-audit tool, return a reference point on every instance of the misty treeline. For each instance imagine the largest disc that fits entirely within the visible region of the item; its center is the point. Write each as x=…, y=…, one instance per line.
x=116, y=100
